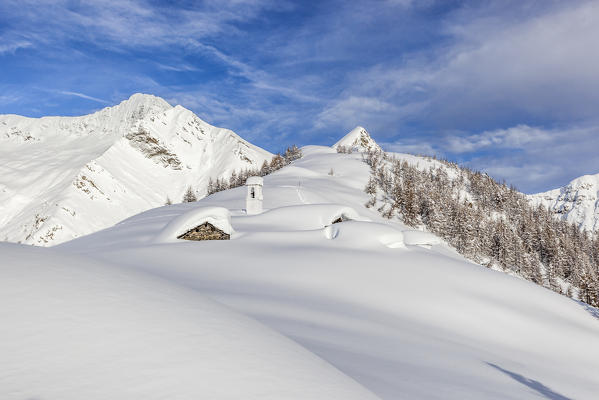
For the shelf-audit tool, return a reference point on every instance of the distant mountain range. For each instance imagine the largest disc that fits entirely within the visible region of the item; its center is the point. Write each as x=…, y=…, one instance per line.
x=577, y=202
x=63, y=177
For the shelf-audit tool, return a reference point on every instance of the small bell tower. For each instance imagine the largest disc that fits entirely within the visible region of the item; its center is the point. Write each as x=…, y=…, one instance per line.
x=254, y=198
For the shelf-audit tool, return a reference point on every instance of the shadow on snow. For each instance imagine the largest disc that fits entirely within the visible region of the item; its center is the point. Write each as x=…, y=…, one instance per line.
x=531, y=383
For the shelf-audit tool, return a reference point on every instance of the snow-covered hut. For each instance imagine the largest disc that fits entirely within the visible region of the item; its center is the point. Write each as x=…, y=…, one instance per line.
x=203, y=223
x=254, y=198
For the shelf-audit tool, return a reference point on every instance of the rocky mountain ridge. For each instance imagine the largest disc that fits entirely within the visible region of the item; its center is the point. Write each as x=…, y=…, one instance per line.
x=63, y=177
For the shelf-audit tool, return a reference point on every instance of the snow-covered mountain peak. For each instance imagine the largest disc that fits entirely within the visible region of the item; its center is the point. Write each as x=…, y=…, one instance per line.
x=61, y=177
x=103, y=126
x=140, y=105
x=577, y=202
x=358, y=139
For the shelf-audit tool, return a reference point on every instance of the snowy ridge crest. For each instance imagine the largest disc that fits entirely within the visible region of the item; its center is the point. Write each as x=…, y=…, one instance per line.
x=110, y=121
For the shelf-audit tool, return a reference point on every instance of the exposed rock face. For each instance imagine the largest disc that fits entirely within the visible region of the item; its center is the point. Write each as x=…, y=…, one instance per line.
x=206, y=231
x=153, y=149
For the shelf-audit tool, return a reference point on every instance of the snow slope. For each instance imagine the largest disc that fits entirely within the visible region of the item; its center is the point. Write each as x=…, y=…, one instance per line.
x=577, y=202
x=63, y=177
x=77, y=329
x=393, y=309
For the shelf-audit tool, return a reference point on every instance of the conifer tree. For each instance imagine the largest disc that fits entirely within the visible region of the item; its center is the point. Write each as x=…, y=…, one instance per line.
x=496, y=223
x=189, y=195
x=277, y=162
x=370, y=189
x=265, y=169
x=211, y=189
x=233, y=181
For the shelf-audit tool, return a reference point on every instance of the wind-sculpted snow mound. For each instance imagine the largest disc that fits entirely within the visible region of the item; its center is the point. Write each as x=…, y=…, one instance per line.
x=298, y=218
x=420, y=238
x=364, y=235
x=77, y=329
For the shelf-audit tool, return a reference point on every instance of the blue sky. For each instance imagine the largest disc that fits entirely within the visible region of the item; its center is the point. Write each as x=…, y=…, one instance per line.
x=509, y=87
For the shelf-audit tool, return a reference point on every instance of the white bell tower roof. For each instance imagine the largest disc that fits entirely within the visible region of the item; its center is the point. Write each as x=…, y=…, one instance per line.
x=255, y=180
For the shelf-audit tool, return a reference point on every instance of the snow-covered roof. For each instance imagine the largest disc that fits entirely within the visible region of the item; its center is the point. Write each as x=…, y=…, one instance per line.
x=219, y=217
x=255, y=180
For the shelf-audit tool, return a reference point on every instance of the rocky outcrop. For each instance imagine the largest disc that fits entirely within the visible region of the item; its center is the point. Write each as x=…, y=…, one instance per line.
x=153, y=149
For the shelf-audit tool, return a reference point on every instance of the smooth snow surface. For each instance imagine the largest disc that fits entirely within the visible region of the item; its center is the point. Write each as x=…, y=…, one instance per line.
x=393, y=309
x=77, y=329
x=63, y=177
x=577, y=202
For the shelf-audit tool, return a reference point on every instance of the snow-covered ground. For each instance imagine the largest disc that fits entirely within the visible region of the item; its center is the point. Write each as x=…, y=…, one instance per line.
x=393, y=310
x=63, y=177
x=73, y=328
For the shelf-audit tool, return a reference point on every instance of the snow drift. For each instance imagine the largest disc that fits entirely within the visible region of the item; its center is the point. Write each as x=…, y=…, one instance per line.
x=77, y=329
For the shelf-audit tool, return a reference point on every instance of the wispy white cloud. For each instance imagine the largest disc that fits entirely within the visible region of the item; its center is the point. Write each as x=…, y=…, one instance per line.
x=498, y=67
x=10, y=46
x=84, y=96
x=124, y=24
x=352, y=111
x=178, y=67
x=415, y=147
x=517, y=137
x=9, y=99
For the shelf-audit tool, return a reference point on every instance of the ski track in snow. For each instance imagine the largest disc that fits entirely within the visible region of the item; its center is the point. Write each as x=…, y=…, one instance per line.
x=300, y=195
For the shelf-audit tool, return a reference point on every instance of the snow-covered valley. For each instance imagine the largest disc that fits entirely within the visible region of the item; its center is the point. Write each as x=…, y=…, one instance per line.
x=293, y=306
